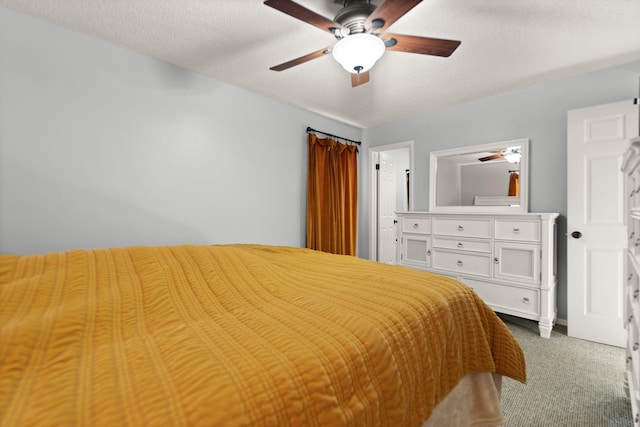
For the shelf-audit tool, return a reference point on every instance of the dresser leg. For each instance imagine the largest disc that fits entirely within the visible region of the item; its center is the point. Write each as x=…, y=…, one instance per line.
x=545, y=326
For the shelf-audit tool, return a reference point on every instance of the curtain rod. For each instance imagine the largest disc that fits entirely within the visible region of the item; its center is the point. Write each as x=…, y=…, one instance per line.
x=335, y=136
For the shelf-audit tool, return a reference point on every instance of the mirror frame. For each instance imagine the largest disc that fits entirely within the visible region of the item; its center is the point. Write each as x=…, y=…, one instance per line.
x=524, y=177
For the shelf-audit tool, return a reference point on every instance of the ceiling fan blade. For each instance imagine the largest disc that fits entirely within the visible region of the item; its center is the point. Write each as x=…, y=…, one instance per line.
x=422, y=45
x=491, y=157
x=302, y=59
x=388, y=13
x=310, y=17
x=359, y=79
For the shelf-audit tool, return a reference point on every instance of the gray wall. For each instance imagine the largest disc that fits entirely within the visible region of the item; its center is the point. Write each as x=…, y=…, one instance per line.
x=538, y=113
x=103, y=147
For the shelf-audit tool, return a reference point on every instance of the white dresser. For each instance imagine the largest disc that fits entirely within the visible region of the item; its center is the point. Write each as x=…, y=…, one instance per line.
x=509, y=260
x=631, y=167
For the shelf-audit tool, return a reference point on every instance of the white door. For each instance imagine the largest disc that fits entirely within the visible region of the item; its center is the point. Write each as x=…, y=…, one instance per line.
x=386, y=209
x=596, y=221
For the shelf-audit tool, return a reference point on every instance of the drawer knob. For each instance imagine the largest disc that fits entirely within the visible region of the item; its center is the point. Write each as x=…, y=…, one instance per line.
x=633, y=233
x=525, y=300
x=516, y=230
x=460, y=228
x=460, y=245
x=416, y=225
x=429, y=252
x=630, y=318
x=636, y=293
x=636, y=346
x=630, y=277
x=460, y=263
x=496, y=260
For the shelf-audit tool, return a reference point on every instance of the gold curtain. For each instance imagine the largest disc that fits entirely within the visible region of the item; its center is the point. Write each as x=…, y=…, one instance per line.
x=332, y=196
x=514, y=184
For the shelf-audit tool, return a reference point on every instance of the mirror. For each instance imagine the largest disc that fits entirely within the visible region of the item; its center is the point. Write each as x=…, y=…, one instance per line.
x=490, y=178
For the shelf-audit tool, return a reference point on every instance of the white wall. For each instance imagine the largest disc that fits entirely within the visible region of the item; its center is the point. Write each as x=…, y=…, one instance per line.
x=538, y=113
x=103, y=147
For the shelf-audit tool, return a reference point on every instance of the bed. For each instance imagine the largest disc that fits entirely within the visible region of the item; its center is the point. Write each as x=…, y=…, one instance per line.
x=243, y=335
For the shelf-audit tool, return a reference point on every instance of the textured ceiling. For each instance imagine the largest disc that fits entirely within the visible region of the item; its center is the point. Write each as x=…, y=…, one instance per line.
x=506, y=44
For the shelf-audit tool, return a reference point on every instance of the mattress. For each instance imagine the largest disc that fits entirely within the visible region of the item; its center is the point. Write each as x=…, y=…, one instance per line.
x=236, y=335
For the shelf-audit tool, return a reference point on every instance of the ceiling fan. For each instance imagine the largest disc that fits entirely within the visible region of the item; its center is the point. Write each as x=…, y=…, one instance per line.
x=510, y=154
x=359, y=27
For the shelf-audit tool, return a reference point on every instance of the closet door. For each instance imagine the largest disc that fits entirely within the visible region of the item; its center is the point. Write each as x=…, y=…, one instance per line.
x=596, y=226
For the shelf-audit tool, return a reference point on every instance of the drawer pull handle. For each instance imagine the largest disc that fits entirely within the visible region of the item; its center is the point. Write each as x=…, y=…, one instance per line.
x=460, y=245
x=460, y=263
x=525, y=300
x=416, y=225
x=460, y=228
x=636, y=346
x=496, y=260
x=516, y=230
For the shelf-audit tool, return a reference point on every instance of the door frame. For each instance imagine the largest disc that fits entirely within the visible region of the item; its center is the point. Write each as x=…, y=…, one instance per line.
x=373, y=192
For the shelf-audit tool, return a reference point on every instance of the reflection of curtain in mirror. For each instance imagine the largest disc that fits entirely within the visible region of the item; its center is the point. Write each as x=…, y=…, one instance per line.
x=514, y=184
x=332, y=196
x=406, y=171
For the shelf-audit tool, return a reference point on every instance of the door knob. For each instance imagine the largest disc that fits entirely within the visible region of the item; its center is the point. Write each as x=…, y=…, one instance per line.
x=576, y=234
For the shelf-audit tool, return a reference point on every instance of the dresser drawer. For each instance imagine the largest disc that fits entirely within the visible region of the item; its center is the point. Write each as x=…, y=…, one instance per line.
x=462, y=244
x=462, y=227
x=521, y=230
x=462, y=263
x=507, y=298
x=416, y=225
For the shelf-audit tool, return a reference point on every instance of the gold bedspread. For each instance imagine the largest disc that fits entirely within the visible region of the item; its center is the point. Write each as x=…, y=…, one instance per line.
x=235, y=335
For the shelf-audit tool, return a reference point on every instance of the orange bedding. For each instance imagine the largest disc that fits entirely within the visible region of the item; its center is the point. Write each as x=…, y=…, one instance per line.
x=235, y=335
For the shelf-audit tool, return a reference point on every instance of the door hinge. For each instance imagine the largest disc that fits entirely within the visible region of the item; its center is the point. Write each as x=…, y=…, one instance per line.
x=377, y=166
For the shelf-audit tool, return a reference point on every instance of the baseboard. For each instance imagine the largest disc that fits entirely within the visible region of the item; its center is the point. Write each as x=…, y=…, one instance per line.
x=561, y=321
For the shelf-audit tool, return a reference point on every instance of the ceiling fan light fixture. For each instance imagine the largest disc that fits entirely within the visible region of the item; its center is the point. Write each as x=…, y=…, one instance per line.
x=357, y=53
x=512, y=155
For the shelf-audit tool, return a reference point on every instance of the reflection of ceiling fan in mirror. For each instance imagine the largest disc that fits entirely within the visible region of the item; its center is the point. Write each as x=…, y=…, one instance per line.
x=510, y=154
x=359, y=27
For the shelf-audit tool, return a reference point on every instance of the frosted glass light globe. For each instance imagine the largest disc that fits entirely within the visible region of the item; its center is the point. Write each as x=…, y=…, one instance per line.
x=357, y=53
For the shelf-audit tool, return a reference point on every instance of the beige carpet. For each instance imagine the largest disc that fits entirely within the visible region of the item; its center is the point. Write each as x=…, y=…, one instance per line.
x=571, y=382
